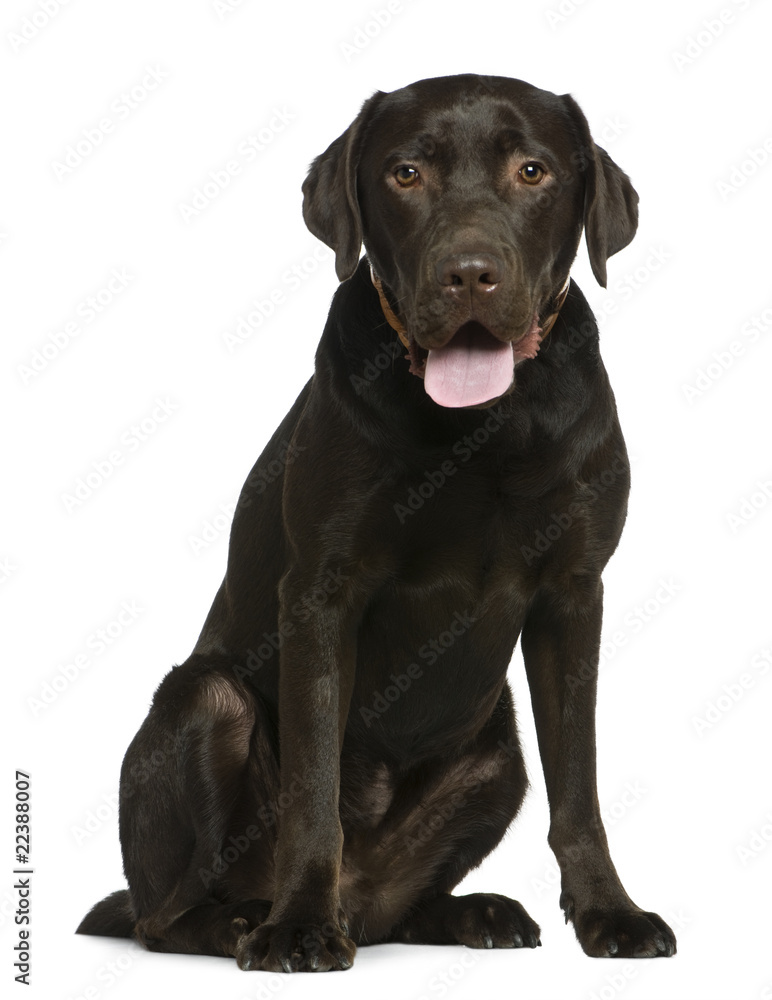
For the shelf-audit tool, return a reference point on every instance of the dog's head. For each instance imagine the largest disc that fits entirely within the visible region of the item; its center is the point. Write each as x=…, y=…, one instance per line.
x=470, y=195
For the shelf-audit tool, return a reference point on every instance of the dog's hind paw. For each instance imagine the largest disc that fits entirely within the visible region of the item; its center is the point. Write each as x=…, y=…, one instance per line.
x=488, y=920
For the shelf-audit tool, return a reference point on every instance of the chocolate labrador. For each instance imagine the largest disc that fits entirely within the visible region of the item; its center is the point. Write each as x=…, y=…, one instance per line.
x=340, y=748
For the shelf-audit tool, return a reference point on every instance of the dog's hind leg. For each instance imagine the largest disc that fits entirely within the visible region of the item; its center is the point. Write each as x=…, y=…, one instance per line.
x=444, y=818
x=195, y=782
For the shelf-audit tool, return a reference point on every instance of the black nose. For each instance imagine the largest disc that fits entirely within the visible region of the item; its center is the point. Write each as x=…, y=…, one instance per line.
x=475, y=272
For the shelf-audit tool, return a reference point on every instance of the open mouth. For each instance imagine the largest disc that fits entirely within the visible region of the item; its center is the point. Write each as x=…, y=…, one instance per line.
x=474, y=366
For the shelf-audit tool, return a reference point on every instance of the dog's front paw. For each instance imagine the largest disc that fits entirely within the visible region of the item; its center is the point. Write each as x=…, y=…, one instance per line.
x=297, y=946
x=621, y=932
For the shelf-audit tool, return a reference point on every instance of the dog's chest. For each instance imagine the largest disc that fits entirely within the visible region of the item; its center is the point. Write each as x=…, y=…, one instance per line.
x=477, y=523
x=459, y=590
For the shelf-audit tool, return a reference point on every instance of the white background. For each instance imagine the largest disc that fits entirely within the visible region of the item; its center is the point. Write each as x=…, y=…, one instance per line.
x=684, y=109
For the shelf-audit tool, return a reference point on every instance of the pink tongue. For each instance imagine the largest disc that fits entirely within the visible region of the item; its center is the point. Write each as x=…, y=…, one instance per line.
x=473, y=368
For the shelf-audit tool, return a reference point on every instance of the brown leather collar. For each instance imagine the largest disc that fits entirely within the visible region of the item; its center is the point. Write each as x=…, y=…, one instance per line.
x=395, y=323
x=549, y=322
x=391, y=317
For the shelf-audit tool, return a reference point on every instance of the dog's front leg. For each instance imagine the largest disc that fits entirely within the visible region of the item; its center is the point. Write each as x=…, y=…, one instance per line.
x=306, y=930
x=560, y=643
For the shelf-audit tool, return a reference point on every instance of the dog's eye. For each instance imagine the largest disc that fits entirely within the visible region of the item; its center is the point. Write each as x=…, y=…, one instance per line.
x=532, y=173
x=406, y=176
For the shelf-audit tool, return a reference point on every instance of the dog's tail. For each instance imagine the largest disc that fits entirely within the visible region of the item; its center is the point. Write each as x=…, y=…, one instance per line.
x=111, y=917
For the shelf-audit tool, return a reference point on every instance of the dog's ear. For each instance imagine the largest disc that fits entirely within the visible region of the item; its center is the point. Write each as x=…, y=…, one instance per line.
x=610, y=200
x=330, y=203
